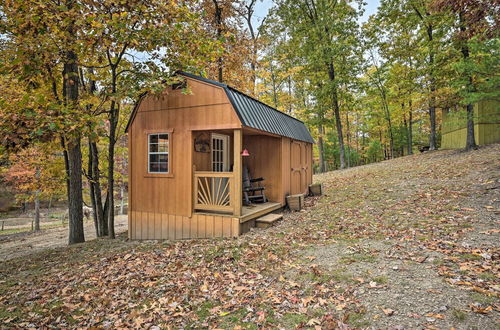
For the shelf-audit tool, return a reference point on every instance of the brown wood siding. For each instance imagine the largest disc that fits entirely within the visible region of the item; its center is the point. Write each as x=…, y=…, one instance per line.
x=172, y=194
x=265, y=161
x=285, y=166
x=148, y=225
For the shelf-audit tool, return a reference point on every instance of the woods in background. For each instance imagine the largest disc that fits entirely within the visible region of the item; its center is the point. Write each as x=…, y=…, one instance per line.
x=71, y=71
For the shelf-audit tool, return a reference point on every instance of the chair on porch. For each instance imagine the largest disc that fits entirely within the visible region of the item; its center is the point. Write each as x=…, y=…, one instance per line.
x=252, y=193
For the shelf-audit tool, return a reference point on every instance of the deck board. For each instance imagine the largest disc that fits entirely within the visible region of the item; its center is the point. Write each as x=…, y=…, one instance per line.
x=257, y=210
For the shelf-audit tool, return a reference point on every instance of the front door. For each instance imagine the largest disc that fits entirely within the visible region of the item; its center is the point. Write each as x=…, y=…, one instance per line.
x=220, y=152
x=220, y=163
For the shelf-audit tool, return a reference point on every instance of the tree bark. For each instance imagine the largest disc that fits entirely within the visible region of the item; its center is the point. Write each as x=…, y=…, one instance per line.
x=410, y=128
x=321, y=149
x=37, y=211
x=111, y=165
x=73, y=145
x=218, y=22
x=336, y=111
x=471, y=139
x=101, y=218
x=75, y=198
x=348, y=134
x=432, y=100
x=90, y=179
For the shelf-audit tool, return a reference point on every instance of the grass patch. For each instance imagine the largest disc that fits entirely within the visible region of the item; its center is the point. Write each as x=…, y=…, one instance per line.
x=234, y=319
x=292, y=320
x=204, y=310
x=482, y=298
x=28, y=229
x=470, y=256
x=382, y=279
x=487, y=276
x=358, y=320
x=459, y=315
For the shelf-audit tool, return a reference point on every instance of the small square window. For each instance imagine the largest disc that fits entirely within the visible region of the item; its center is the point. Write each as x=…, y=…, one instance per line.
x=158, y=156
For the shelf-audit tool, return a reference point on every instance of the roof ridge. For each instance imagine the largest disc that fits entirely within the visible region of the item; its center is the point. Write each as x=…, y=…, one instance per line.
x=267, y=105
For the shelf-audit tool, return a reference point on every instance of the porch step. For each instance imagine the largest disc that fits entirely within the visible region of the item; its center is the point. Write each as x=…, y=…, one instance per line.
x=268, y=220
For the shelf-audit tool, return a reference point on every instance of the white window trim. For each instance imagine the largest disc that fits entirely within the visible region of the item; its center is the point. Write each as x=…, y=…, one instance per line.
x=159, y=152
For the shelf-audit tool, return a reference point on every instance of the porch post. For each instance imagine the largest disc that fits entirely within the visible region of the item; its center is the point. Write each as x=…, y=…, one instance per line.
x=237, y=170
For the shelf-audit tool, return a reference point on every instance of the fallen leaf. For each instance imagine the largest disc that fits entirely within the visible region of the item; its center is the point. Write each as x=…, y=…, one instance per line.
x=388, y=311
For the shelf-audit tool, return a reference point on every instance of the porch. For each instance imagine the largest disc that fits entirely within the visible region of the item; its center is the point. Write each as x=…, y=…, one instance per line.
x=218, y=172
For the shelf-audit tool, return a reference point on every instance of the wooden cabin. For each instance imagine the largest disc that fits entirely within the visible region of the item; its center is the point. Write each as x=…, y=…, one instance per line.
x=186, y=164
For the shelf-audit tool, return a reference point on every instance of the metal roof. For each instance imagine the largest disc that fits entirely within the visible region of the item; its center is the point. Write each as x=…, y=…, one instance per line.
x=256, y=114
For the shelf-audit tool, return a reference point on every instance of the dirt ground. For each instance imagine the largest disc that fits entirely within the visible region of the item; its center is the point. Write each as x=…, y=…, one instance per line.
x=410, y=243
x=26, y=243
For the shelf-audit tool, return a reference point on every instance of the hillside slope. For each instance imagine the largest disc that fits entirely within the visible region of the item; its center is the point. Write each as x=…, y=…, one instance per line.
x=406, y=243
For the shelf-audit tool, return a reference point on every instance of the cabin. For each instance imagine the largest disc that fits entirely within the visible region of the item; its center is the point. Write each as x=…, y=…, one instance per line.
x=192, y=155
x=486, y=125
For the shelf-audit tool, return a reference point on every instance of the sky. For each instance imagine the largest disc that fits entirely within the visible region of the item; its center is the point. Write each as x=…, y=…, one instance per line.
x=262, y=8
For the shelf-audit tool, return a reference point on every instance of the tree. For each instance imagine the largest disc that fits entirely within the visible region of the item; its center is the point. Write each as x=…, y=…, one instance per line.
x=35, y=173
x=325, y=36
x=477, y=27
x=42, y=49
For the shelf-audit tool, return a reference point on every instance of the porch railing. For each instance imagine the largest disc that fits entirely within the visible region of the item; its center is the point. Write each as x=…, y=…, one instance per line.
x=213, y=191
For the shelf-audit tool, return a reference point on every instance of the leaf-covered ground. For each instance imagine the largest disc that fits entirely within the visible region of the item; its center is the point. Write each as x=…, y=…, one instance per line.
x=406, y=243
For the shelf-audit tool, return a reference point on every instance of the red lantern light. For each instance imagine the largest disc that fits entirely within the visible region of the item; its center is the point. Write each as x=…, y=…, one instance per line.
x=245, y=153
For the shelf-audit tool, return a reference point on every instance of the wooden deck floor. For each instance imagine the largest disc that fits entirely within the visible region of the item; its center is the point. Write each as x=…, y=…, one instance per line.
x=256, y=210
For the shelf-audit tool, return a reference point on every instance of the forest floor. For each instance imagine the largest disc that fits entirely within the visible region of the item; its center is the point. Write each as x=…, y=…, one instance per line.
x=407, y=243
x=53, y=235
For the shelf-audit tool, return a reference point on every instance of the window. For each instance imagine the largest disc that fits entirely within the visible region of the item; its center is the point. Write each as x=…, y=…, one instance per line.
x=158, y=153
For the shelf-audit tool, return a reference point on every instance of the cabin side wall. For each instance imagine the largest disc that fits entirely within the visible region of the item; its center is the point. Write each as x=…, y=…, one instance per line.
x=160, y=206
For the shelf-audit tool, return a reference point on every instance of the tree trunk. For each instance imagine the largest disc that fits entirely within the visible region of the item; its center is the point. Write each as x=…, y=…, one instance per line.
x=471, y=139
x=75, y=197
x=122, y=198
x=432, y=100
x=101, y=218
x=90, y=179
x=106, y=213
x=410, y=128
x=66, y=163
x=321, y=149
x=218, y=22
x=336, y=110
x=348, y=140
x=470, y=143
x=111, y=165
x=37, y=211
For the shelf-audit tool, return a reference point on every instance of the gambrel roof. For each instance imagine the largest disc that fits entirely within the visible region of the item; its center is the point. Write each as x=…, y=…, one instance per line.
x=255, y=114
